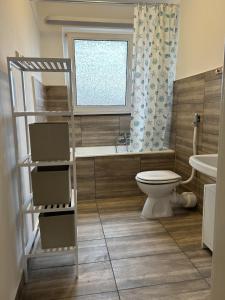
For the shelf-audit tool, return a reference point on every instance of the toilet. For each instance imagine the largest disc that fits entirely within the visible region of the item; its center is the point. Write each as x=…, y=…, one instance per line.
x=160, y=186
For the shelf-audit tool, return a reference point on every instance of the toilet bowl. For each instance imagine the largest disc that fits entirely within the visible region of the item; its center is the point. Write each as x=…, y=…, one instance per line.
x=160, y=186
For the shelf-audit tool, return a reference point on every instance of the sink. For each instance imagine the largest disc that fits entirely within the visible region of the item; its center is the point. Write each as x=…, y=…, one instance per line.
x=206, y=164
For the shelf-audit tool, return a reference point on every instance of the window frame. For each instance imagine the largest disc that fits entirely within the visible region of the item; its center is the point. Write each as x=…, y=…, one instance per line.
x=95, y=36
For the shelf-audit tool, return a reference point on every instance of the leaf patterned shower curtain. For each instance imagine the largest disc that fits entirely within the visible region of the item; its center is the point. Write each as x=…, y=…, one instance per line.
x=153, y=73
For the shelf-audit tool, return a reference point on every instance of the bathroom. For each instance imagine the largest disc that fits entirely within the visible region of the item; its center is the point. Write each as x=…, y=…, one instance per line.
x=148, y=194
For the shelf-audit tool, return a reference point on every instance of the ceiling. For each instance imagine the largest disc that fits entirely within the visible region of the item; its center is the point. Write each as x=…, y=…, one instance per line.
x=87, y=11
x=80, y=12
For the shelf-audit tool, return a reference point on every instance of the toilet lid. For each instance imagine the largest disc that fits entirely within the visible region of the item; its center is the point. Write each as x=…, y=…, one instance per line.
x=158, y=176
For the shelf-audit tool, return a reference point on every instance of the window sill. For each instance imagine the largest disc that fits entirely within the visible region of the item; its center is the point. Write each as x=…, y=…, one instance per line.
x=102, y=111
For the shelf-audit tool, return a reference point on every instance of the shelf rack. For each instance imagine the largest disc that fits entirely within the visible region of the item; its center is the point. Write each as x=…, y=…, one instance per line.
x=29, y=207
x=36, y=250
x=27, y=161
x=31, y=247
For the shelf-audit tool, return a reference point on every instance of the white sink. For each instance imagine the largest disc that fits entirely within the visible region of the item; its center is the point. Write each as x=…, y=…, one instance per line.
x=206, y=164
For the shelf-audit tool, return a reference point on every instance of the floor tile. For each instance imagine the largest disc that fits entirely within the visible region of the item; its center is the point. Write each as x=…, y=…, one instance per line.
x=130, y=227
x=147, y=257
x=186, y=230
x=89, y=251
x=51, y=261
x=209, y=281
x=57, y=283
x=92, y=251
x=182, y=222
x=118, y=216
x=90, y=232
x=103, y=296
x=89, y=227
x=123, y=223
x=192, y=290
x=141, y=245
x=151, y=270
x=88, y=217
x=202, y=260
x=86, y=206
x=121, y=204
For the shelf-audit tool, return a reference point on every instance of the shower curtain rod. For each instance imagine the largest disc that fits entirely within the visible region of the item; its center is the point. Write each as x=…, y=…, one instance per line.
x=117, y=2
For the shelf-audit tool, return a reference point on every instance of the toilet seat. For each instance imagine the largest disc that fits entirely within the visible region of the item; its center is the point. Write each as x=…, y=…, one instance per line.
x=158, y=177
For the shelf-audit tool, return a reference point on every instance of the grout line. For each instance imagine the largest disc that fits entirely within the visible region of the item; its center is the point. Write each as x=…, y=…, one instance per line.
x=95, y=182
x=209, y=284
x=84, y=295
x=108, y=252
x=69, y=265
x=147, y=255
x=82, y=241
x=140, y=287
x=137, y=287
x=182, y=250
x=163, y=284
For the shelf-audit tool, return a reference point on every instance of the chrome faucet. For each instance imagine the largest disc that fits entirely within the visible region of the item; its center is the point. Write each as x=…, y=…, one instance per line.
x=123, y=139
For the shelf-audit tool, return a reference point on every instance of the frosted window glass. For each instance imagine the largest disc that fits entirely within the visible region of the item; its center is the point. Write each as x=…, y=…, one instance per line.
x=101, y=72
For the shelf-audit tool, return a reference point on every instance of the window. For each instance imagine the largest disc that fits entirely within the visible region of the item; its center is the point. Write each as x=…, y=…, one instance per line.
x=102, y=73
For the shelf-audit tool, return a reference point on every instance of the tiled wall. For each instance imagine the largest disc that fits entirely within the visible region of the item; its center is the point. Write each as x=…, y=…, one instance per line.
x=114, y=176
x=90, y=130
x=201, y=94
x=100, y=130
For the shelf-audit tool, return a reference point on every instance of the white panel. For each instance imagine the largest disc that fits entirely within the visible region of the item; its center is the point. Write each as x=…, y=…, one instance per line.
x=209, y=215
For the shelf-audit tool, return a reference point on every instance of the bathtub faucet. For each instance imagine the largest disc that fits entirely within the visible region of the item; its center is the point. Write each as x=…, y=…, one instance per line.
x=123, y=139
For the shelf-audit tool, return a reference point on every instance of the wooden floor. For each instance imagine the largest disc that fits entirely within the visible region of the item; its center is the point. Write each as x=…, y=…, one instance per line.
x=123, y=256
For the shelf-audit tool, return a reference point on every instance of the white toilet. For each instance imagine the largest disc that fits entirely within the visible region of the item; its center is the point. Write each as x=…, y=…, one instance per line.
x=160, y=186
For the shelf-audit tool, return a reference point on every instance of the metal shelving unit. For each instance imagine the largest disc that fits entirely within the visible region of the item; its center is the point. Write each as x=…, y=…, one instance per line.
x=31, y=247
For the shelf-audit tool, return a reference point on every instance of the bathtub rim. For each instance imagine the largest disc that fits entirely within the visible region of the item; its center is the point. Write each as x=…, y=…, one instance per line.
x=168, y=151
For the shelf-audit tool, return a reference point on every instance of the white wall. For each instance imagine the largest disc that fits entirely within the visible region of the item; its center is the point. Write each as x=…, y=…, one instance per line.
x=51, y=35
x=51, y=46
x=18, y=32
x=202, y=36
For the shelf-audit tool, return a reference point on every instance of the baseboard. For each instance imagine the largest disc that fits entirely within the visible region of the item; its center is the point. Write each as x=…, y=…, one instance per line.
x=20, y=288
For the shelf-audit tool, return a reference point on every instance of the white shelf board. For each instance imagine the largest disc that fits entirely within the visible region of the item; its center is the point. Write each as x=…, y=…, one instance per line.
x=41, y=113
x=28, y=162
x=36, y=64
x=30, y=208
x=37, y=251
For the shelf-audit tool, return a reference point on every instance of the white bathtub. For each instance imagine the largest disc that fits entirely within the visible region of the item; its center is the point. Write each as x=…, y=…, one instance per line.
x=111, y=150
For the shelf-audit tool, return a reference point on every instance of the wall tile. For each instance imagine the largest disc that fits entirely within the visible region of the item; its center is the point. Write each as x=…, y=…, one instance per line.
x=124, y=123
x=94, y=130
x=115, y=187
x=162, y=161
x=202, y=94
x=117, y=166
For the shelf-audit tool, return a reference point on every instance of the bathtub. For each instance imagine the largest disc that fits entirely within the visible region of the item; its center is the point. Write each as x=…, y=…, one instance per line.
x=112, y=150
x=107, y=172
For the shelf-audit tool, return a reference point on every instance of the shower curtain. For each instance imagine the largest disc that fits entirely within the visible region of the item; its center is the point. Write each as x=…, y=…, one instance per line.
x=153, y=73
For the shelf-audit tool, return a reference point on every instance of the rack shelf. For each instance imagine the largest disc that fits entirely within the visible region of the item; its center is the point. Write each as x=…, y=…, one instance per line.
x=32, y=246
x=41, y=113
x=35, y=64
x=27, y=162
x=30, y=208
x=37, y=251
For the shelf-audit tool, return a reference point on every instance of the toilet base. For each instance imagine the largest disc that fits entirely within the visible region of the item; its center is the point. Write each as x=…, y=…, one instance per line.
x=157, y=208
